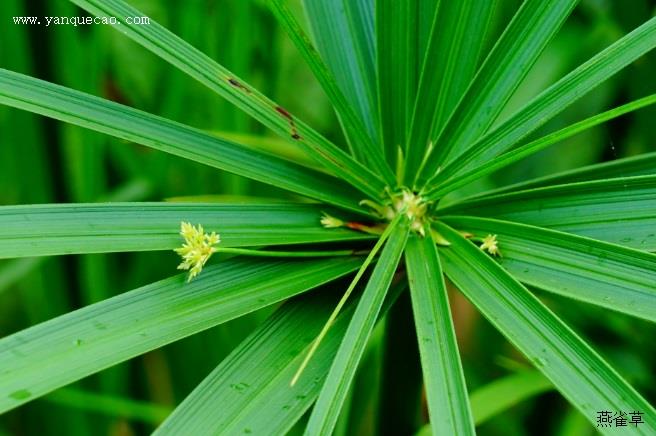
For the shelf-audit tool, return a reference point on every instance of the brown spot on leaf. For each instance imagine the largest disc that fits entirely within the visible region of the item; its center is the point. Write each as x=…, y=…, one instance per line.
x=284, y=113
x=236, y=84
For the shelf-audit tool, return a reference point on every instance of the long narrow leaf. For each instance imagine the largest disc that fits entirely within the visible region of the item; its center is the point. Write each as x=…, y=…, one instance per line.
x=333, y=393
x=361, y=19
x=500, y=395
x=469, y=173
x=534, y=25
x=621, y=211
x=252, y=384
x=349, y=57
x=396, y=71
x=576, y=370
x=199, y=66
x=446, y=391
x=55, y=353
x=558, y=97
x=618, y=278
x=449, y=65
x=130, y=124
x=40, y=230
x=250, y=389
x=640, y=165
x=354, y=126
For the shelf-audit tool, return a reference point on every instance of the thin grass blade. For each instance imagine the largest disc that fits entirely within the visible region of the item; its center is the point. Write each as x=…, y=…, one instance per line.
x=44, y=230
x=556, y=98
x=470, y=173
x=335, y=387
x=446, y=391
x=621, y=211
x=529, y=32
x=55, y=353
x=606, y=275
x=217, y=78
x=576, y=370
x=130, y=124
x=449, y=65
x=354, y=126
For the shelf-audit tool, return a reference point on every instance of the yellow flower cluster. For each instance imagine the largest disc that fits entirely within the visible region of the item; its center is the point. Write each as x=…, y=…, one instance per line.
x=198, y=247
x=491, y=245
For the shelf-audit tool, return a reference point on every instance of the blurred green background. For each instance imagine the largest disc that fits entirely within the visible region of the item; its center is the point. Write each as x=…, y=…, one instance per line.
x=43, y=161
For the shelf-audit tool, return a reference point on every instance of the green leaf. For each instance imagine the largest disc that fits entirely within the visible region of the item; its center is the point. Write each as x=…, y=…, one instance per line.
x=354, y=126
x=396, y=71
x=641, y=165
x=446, y=391
x=179, y=53
x=130, y=124
x=449, y=65
x=333, y=393
x=55, y=353
x=252, y=384
x=464, y=175
x=360, y=16
x=350, y=57
x=500, y=395
x=251, y=388
x=40, y=230
x=607, y=275
x=425, y=18
x=621, y=211
x=534, y=25
x=557, y=98
x=575, y=369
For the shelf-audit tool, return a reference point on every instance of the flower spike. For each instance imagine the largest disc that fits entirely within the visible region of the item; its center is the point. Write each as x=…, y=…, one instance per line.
x=197, y=248
x=491, y=245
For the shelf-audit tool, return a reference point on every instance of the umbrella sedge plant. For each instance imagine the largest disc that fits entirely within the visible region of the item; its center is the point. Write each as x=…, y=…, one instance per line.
x=419, y=99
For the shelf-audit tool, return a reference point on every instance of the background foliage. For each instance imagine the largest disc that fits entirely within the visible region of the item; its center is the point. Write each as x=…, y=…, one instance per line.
x=42, y=161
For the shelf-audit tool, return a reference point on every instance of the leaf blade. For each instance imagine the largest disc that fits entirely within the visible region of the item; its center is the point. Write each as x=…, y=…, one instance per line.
x=396, y=72
x=560, y=95
x=354, y=126
x=449, y=65
x=335, y=387
x=534, y=25
x=469, y=173
x=114, y=119
x=191, y=61
x=575, y=369
x=606, y=275
x=446, y=391
x=620, y=211
x=57, y=352
x=349, y=57
x=640, y=165
x=252, y=384
x=100, y=228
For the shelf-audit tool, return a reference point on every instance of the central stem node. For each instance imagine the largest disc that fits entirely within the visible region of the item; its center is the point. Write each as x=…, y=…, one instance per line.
x=403, y=201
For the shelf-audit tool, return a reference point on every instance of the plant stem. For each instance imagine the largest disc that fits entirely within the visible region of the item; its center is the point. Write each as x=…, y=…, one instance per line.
x=262, y=253
x=392, y=225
